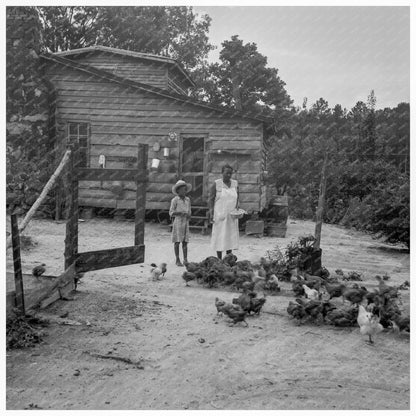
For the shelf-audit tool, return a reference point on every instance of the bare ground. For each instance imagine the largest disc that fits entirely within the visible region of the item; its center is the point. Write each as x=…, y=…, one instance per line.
x=185, y=357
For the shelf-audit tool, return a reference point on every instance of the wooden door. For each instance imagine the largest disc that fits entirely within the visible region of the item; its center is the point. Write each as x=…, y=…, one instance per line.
x=192, y=166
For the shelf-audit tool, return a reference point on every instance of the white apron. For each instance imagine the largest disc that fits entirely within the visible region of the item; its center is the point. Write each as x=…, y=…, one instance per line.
x=225, y=228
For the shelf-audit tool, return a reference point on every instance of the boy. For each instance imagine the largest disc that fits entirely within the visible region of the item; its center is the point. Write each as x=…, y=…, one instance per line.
x=180, y=210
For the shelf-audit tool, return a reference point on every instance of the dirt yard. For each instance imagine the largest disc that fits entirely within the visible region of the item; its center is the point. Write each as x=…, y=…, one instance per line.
x=184, y=356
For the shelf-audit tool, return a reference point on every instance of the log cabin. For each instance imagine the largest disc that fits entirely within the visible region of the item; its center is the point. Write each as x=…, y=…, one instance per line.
x=109, y=100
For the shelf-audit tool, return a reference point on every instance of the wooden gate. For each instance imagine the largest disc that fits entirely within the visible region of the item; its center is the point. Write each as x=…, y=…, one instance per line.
x=102, y=259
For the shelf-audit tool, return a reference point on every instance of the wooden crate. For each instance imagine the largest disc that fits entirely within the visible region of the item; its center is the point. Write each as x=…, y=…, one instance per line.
x=254, y=227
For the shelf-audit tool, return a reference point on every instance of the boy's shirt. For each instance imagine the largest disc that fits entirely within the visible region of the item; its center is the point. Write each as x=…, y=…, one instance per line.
x=180, y=205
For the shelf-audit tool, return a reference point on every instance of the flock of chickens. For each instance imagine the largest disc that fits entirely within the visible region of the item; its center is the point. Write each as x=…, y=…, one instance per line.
x=213, y=272
x=372, y=311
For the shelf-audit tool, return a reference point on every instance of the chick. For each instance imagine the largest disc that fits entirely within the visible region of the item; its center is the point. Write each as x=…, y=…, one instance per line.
x=188, y=276
x=219, y=304
x=369, y=323
x=38, y=271
x=158, y=271
x=312, y=294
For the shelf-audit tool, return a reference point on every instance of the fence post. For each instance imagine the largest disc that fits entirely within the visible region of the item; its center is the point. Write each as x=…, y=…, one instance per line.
x=71, y=238
x=17, y=264
x=140, y=195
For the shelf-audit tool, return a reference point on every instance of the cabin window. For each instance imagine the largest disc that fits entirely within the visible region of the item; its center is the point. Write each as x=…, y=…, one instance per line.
x=80, y=133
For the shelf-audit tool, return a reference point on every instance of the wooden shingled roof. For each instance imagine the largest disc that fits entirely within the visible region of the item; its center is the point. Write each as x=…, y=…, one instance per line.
x=124, y=52
x=100, y=73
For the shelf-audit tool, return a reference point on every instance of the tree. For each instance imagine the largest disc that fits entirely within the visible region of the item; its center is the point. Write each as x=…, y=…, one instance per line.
x=243, y=81
x=370, y=127
x=65, y=28
x=176, y=32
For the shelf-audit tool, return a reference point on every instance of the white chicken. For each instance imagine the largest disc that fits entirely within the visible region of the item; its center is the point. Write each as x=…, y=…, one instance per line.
x=369, y=323
x=158, y=271
x=312, y=294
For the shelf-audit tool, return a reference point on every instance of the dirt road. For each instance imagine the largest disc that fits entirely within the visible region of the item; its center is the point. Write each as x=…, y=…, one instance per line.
x=185, y=357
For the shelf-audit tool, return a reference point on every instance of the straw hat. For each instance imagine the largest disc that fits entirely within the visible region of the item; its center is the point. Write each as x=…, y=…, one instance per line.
x=181, y=183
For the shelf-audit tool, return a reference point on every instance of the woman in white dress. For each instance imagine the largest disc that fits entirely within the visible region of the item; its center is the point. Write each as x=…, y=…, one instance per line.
x=224, y=199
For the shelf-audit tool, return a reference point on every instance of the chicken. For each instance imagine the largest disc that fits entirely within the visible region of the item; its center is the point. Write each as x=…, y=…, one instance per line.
x=400, y=323
x=192, y=267
x=200, y=274
x=158, y=271
x=238, y=282
x=355, y=296
x=188, y=276
x=272, y=283
x=314, y=282
x=312, y=294
x=385, y=290
x=248, y=286
x=334, y=290
x=342, y=317
x=244, y=265
x=211, y=278
x=230, y=259
x=261, y=272
x=256, y=304
x=297, y=287
x=369, y=323
x=244, y=300
x=373, y=298
x=296, y=311
x=228, y=278
x=78, y=276
x=387, y=311
x=38, y=271
x=236, y=314
x=219, y=304
x=313, y=308
x=209, y=262
x=327, y=307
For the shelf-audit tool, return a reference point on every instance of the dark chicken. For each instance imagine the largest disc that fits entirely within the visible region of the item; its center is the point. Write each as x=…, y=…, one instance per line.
x=38, y=271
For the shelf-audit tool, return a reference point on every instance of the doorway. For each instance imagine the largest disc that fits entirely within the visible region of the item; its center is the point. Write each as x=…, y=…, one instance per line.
x=192, y=164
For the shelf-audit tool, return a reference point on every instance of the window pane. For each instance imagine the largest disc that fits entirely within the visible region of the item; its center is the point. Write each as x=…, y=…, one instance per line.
x=83, y=141
x=83, y=129
x=73, y=129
